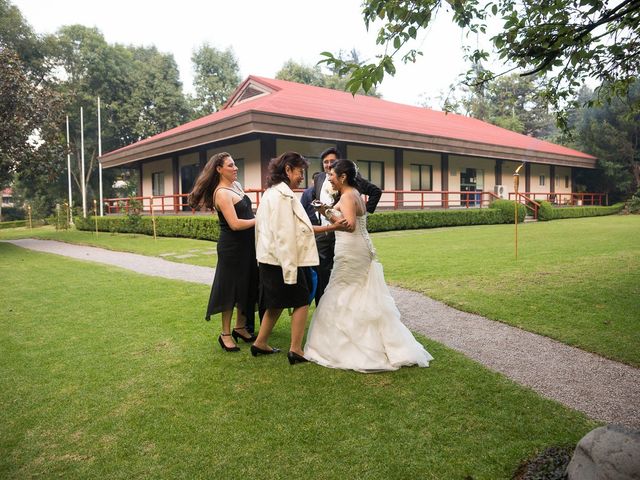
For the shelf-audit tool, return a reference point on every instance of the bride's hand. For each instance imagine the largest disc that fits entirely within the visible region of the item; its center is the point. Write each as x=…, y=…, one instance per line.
x=341, y=224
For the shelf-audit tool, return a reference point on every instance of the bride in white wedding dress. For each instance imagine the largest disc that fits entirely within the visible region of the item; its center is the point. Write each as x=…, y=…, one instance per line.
x=356, y=325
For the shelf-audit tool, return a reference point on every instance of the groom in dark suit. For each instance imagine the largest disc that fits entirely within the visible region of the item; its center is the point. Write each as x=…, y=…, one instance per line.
x=321, y=191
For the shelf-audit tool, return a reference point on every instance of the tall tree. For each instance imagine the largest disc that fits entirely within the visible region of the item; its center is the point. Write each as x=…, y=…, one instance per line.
x=30, y=117
x=30, y=110
x=217, y=75
x=512, y=102
x=567, y=41
x=17, y=35
x=139, y=88
x=611, y=132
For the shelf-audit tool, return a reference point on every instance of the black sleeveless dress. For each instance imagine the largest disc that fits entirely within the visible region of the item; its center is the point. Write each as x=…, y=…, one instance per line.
x=236, y=278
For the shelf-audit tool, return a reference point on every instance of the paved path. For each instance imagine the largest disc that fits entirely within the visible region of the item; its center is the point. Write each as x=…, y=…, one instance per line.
x=603, y=389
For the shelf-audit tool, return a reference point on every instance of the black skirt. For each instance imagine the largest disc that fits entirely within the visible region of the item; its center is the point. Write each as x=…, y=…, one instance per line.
x=274, y=293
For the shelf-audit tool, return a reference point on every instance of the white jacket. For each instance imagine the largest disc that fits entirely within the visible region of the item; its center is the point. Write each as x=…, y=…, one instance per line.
x=284, y=235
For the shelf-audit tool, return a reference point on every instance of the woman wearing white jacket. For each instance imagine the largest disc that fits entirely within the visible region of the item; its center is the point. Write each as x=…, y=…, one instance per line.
x=285, y=242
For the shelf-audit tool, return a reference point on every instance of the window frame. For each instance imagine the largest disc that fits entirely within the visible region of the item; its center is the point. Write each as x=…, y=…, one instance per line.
x=156, y=185
x=364, y=166
x=420, y=167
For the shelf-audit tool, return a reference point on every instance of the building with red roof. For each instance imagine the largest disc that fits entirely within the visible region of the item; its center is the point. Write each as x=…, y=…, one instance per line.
x=7, y=197
x=398, y=147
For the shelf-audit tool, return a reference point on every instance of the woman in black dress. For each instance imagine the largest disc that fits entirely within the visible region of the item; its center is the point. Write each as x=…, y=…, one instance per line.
x=236, y=279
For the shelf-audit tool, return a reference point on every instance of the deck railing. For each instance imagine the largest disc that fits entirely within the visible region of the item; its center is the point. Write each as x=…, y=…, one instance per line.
x=390, y=200
x=567, y=199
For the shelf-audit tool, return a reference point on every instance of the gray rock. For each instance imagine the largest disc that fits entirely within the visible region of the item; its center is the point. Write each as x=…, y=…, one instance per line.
x=607, y=453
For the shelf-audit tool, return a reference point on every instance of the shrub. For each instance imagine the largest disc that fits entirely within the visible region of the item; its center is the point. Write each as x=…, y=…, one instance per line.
x=13, y=224
x=207, y=228
x=508, y=210
x=408, y=220
x=200, y=227
x=549, y=212
x=633, y=205
x=545, y=212
x=13, y=213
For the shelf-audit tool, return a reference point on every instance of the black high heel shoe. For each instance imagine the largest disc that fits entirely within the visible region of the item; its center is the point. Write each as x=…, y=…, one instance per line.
x=255, y=351
x=295, y=358
x=224, y=347
x=236, y=335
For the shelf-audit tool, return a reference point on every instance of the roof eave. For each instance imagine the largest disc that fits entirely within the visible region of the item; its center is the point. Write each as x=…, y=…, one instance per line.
x=251, y=121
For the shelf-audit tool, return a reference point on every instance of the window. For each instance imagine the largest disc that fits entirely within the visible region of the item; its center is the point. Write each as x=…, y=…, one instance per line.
x=541, y=180
x=566, y=181
x=157, y=184
x=372, y=171
x=421, y=177
x=315, y=166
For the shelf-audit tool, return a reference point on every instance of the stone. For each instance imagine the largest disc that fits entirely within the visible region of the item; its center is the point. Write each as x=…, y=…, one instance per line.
x=611, y=452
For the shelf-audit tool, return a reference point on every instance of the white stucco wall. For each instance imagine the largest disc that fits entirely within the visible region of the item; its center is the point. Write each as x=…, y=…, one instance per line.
x=250, y=153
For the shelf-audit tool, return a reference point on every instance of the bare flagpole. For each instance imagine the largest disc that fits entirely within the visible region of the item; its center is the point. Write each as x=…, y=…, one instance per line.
x=84, y=186
x=69, y=174
x=99, y=161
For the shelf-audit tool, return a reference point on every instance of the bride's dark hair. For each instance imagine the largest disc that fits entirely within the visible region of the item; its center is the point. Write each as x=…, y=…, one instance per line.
x=348, y=168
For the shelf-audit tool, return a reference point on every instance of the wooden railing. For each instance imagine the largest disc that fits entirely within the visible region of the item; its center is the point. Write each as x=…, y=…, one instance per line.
x=160, y=204
x=528, y=202
x=568, y=198
x=390, y=200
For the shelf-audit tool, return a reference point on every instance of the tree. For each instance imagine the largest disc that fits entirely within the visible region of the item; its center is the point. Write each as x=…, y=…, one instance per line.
x=611, y=132
x=30, y=115
x=17, y=35
x=313, y=75
x=567, y=41
x=30, y=109
x=217, y=75
x=139, y=88
x=301, y=73
x=512, y=102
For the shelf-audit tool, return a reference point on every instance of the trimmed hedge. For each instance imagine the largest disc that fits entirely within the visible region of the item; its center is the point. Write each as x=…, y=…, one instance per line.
x=409, y=220
x=13, y=213
x=549, y=212
x=13, y=224
x=507, y=209
x=207, y=228
x=200, y=227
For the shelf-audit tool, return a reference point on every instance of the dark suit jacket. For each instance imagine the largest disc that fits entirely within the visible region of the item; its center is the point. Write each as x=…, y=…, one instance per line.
x=365, y=187
x=306, y=199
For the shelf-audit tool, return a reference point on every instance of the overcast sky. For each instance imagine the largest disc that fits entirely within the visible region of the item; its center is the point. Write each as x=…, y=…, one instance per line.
x=262, y=34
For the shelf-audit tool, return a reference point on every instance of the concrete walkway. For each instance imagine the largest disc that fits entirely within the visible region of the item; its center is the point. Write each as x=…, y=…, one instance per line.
x=604, y=390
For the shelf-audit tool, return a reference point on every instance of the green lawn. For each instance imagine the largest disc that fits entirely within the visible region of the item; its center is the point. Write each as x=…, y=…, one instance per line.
x=111, y=374
x=577, y=280
x=183, y=250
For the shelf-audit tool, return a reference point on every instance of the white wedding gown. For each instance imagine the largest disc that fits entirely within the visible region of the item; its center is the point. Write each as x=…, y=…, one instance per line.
x=356, y=325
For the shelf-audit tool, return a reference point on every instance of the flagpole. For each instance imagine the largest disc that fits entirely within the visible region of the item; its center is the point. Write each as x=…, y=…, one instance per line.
x=99, y=161
x=84, y=187
x=69, y=174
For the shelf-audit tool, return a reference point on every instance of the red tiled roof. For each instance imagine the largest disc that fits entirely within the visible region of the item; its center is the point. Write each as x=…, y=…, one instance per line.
x=298, y=100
